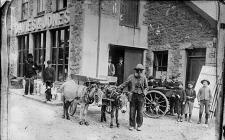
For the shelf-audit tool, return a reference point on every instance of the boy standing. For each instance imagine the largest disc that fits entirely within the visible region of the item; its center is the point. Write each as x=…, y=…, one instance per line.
x=49, y=79
x=190, y=97
x=204, y=99
x=180, y=102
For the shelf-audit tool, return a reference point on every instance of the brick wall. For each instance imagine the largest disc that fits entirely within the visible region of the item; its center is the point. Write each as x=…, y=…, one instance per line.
x=179, y=28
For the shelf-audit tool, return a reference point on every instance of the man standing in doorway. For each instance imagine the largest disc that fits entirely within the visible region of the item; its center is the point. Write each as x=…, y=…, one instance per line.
x=111, y=68
x=30, y=73
x=49, y=79
x=120, y=71
x=137, y=85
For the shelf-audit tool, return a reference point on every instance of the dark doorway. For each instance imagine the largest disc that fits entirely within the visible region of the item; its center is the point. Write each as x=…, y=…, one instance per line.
x=195, y=61
x=131, y=57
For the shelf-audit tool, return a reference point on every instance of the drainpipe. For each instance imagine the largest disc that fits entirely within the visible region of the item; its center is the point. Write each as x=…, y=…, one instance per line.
x=98, y=43
x=221, y=111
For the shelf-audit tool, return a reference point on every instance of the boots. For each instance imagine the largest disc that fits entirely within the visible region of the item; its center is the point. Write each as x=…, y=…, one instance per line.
x=185, y=116
x=206, y=118
x=189, y=119
x=200, y=119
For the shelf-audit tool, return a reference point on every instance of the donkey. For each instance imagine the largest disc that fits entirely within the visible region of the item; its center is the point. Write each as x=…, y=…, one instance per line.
x=115, y=101
x=80, y=94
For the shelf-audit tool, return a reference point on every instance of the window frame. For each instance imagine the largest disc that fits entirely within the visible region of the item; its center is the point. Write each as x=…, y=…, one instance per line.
x=64, y=5
x=23, y=50
x=40, y=7
x=55, y=37
x=39, y=48
x=24, y=12
x=160, y=66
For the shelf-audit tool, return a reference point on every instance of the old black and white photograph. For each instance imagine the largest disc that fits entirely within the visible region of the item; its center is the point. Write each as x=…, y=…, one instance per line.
x=112, y=70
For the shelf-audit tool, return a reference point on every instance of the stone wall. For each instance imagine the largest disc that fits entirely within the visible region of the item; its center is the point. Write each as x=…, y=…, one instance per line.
x=175, y=27
x=76, y=36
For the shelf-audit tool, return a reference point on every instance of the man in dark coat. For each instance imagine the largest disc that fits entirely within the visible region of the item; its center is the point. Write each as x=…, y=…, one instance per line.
x=29, y=74
x=137, y=84
x=49, y=79
x=120, y=71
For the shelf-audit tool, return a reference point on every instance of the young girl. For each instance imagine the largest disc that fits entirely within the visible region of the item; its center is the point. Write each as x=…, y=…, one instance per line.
x=190, y=97
x=180, y=101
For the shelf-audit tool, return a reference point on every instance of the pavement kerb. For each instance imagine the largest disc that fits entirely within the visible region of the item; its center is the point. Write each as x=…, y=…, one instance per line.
x=35, y=99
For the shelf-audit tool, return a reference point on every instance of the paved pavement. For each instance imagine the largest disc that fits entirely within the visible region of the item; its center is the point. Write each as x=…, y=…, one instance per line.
x=36, y=97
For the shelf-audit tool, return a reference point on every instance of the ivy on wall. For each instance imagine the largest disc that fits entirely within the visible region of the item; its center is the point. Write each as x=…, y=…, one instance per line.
x=174, y=22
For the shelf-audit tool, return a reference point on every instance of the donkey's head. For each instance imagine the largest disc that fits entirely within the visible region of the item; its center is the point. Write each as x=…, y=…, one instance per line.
x=122, y=102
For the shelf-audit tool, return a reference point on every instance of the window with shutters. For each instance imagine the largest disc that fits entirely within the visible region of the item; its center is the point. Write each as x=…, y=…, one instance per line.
x=23, y=49
x=24, y=9
x=60, y=52
x=129, y=13
x=40, y=49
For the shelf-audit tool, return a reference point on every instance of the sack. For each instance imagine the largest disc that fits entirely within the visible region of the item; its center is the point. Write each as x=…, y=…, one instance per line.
x=43, y=89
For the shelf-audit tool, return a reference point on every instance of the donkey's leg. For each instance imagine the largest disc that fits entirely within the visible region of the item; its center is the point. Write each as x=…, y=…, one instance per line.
x=67, y=107
x=117, y=122
x=82, y=114
x=112, y=116
x=103, y=109
x=64, y=109
x=85, y=114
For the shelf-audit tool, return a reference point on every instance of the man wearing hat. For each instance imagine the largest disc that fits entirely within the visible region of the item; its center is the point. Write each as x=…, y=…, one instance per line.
x=190, y=97
x=30, y=73
x=137, y=85
x=48, y=78
x=204, y=99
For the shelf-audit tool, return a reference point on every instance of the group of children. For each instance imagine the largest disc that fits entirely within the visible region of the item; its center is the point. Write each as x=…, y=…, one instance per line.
x=185, y=101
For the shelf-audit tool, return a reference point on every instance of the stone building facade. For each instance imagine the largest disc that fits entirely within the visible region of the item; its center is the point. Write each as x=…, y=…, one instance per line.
x=187, y=38
x=164, y=36
x=48, y=29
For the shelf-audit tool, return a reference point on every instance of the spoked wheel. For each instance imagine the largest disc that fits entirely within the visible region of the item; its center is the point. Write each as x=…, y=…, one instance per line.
x=156, y=104
x=72, y=108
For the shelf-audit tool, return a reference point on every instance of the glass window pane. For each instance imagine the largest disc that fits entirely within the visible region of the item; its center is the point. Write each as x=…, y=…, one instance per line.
x=54, y=55
x=60, y=73
x=40, y=58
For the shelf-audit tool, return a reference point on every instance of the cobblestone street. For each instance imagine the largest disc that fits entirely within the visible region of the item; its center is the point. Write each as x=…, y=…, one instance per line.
x=32, y=120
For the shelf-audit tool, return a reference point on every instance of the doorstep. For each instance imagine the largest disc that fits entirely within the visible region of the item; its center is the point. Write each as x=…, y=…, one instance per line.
x=36, y=97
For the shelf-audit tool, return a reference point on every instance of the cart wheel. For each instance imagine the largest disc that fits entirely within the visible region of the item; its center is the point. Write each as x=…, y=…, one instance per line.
x=156, y=104
x=72, y=108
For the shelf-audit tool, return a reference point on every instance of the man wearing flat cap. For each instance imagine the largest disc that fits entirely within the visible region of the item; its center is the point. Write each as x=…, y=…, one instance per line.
x=204, y=99
x=137, y=84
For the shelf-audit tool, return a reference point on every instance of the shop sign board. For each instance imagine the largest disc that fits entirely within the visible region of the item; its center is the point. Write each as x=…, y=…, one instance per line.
x=49, y=20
